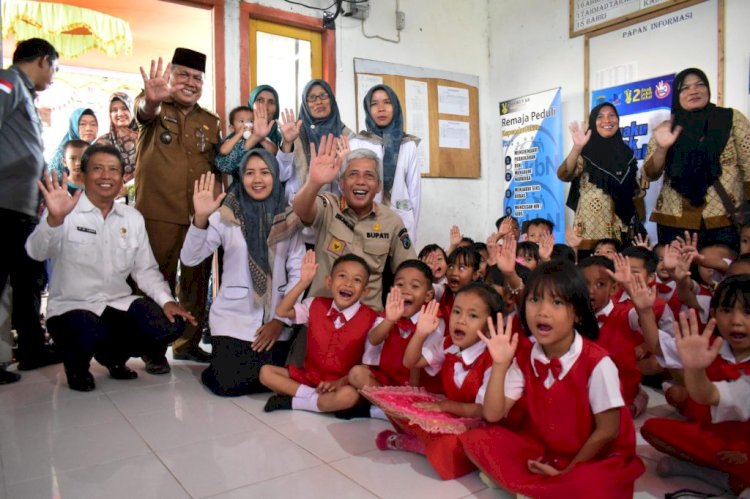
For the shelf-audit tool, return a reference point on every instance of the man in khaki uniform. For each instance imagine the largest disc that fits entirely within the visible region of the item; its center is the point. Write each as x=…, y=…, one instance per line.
x=352, y=223
x=176, y=144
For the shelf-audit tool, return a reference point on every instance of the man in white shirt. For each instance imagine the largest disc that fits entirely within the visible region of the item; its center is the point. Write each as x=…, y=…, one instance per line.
x=95, y=244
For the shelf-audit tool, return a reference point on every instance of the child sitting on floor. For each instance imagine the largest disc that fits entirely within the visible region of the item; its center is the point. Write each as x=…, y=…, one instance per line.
x=336, y=335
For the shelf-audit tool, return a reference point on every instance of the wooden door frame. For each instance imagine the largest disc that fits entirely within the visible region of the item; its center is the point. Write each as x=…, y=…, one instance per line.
x=262, y=13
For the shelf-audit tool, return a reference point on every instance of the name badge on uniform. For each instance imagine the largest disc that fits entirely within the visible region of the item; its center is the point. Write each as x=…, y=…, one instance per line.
x=403, y=204
x=86, y=230
x=336, y=246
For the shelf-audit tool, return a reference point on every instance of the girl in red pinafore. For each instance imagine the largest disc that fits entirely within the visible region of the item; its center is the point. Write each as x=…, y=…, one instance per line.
x=386, y=343
x=708, y=438
x=578, y=438
x=463, y=363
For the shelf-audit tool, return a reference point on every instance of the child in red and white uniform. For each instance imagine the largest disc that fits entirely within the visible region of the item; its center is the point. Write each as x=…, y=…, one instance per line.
x=717, y=370
x=387, y=342
x=435, y=258
x=577, y=439
x=463, y=363
x=463, y=268
x=614, y=329
x=336, y=335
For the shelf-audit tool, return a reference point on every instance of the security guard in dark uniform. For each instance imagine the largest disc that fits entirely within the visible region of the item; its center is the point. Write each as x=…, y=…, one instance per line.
x=176, y=144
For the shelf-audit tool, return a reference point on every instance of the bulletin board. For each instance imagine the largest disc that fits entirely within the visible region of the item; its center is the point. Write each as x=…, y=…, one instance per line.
x=439, y=107
x=687, y=35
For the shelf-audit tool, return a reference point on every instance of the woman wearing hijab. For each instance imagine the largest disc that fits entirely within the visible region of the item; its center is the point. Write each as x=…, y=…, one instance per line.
x=123, y=132
x=385, y=136
x=603, y=175
x=704, y=154
x=318, y=116
x=82, y=125
x=245, y=334
x=263, y=110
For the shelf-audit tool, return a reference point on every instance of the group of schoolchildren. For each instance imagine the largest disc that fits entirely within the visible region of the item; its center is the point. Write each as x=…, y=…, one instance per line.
x=549, y=348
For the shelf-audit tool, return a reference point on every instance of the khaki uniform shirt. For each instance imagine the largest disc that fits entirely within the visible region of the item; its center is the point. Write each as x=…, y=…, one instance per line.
x=173, y=150
x=375, y=237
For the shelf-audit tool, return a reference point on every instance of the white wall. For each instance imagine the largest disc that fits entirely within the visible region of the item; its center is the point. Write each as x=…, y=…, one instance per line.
x=530, y=51
x=439, y=34
x=516, y=47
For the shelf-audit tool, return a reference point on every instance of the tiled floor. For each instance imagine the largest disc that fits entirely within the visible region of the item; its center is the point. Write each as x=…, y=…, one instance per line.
x=167, y=437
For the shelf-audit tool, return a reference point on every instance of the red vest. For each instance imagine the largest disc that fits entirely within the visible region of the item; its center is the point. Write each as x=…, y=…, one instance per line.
x=636, y=337
x=392, y=359
x=445, y=307
x=473, y=381
x=613, y=337
x=719, y=370
x=560, y=417
x=332, y=352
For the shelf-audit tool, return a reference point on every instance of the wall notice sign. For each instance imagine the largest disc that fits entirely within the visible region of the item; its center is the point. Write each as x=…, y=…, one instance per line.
x=418, y=120
x=452, y=100
x=589, y=15
x=454, y=134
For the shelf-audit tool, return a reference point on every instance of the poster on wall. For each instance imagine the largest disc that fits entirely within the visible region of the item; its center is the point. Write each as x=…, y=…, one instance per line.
x=532, y=151
x=642, y=105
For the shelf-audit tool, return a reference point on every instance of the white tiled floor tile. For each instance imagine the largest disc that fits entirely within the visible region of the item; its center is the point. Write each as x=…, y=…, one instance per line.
x=49, y=453
x=28, y=421
x=218, y=465
x=325, y=436
x=321, y=482
x=400, y=474
x=143, y=477
x=167, y=429
x=41, y=391
x=179, y=396
x=491, y=494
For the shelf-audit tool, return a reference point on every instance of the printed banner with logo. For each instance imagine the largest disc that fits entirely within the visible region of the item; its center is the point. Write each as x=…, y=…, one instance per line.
x=532, y=151
x=642, y=105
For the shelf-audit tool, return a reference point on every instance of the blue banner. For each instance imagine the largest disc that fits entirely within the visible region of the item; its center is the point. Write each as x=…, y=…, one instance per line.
x=642, y=105
x=532, y=151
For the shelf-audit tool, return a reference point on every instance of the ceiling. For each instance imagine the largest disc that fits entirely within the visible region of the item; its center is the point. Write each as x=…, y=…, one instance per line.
x=157, y=26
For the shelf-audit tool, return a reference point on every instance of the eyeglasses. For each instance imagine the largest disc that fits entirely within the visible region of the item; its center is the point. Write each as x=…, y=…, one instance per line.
x=311, y=99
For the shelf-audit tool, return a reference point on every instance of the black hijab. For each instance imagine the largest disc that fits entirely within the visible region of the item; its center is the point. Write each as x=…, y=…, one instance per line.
x=313, y=129
x=611, y=166
x=692, y=163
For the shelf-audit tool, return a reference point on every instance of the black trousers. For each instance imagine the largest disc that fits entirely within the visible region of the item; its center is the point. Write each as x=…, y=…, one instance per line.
x=26, y=277
x=235, y=367
x=113, y=337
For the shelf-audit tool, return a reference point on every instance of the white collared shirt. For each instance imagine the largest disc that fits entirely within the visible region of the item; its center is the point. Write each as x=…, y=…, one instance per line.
x=302, y=312
x=734, y=401
x=664, y=322
x=604, y=312
x=92, y=257
x=603, y=385
x=435, y=356
x=372, y=352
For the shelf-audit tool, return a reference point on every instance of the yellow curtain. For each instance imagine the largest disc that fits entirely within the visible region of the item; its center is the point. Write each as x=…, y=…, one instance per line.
x=54, y=22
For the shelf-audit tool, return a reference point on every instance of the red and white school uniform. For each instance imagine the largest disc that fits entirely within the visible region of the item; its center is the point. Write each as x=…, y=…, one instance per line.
x=724, y=368
x=614, y=331
x=335, y=339
x=560, y=418
x=386, y=360
x=445, y=304
x=464, y=374
x=664, y=318
x=666, y=291
x=708, y=431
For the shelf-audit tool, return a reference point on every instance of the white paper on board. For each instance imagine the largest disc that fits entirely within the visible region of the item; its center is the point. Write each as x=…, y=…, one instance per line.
x=454, y=134
x=417, y=119
x=453, y=100
x=364, y=83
